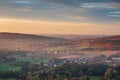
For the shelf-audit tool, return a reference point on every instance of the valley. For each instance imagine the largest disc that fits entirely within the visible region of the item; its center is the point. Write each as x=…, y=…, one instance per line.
x=31, y=54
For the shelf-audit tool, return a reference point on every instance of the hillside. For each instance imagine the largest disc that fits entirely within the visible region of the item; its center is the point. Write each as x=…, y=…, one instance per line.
x=75, y=37
x=23, y=42
x=107, y=43
x=25, y=36
x=27, y=42
x=103, y=43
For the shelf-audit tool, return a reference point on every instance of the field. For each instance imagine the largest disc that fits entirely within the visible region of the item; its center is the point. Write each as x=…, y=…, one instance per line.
x=32, y=60
x=56, y=48
x=82, y=46
x=7, y=67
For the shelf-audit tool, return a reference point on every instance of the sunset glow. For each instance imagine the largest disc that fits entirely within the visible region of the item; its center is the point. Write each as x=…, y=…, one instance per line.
x=50, y=27
x=60, y=17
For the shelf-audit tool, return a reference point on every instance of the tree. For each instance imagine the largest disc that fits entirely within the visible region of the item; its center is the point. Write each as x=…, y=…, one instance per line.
x=29, y=77
x=87, y=78
x=108, y=74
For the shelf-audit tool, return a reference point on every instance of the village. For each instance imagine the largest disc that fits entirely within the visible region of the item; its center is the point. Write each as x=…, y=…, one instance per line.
x=102, y=59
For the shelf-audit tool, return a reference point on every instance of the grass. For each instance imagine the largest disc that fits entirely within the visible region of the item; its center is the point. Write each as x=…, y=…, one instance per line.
x=91, y=77
x=82, y=46
x=32, y=60
x=7, y=67
x=56, y=48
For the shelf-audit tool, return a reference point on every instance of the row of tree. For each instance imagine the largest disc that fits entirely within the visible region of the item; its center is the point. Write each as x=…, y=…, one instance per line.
x=71, y=71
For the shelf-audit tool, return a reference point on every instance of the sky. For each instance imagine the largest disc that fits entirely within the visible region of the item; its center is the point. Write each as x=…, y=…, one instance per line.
x=84, y=17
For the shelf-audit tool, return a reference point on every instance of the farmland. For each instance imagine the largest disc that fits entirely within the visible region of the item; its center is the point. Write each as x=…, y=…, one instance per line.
x=7, y=67
x=42, y=58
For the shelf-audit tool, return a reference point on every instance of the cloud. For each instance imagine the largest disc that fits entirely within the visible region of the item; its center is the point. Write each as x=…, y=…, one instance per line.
x=78, y=2
x=117, y=16
x=27, y=9
x=100, y=5
x=77, y=18
x=22, y=2
x=61, y=10
x=114, y=14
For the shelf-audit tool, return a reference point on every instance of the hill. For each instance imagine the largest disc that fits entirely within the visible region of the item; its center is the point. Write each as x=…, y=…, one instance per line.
x=107, y=43
x=17, y=41
x=6, y=35
x=75, y=37
x=28, y=42
x=102, y=43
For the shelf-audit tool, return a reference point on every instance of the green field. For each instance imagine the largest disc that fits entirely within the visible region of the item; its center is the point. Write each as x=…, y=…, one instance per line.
x=32, y=60
x=7, y=67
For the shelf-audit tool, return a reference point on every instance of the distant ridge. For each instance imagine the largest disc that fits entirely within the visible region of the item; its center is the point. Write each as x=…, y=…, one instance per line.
x=7, y=35
x=30, y=42
x=102, y=43
x=26, y=42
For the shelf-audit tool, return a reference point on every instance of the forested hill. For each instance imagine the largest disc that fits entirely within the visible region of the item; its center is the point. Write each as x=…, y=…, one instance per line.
x=114, y=40
x=6, y=35
x=103, y=43
x=23, y=42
